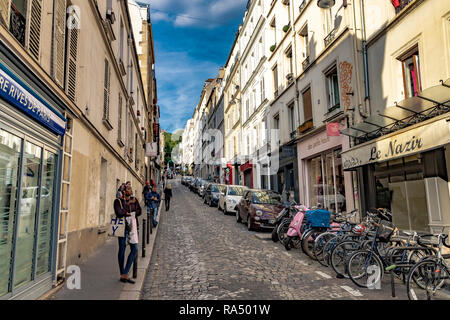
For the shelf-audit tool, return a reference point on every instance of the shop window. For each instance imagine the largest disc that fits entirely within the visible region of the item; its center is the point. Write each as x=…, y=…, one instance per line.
x=326, y=182
x=333, y=90
x=411, y=74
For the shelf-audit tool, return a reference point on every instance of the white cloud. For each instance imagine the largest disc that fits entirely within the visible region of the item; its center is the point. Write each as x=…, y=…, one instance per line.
x=199, y=13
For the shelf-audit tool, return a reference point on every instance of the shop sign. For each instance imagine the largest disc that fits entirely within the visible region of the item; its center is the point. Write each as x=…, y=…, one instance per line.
x=410, y=142
x=17, y=93
x=151, y=149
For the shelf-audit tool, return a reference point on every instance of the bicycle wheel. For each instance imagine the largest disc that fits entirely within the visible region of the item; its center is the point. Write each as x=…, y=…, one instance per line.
x=283, y=229
x=308, y=242
x=428, y=280
x=328, y=249
x=319, y=245
x=365, y=269
x=339, y=256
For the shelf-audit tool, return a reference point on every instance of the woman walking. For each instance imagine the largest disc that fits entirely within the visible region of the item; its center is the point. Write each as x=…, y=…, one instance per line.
x=123, y=207
x=167, y=195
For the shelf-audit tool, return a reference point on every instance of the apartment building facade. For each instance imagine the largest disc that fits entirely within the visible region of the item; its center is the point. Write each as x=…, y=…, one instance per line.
x=78, y=105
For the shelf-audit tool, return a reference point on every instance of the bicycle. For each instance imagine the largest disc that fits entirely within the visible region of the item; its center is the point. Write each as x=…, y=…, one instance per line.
x=429, y=279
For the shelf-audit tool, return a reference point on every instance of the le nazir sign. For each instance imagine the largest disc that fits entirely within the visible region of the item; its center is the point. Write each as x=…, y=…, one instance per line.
x=414, y=141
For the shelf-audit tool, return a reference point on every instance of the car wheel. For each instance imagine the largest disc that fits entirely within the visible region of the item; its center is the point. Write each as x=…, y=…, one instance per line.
x=238, y=216
x=249, y=224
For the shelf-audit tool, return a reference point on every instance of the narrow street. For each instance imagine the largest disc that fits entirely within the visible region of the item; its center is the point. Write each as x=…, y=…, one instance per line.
x=202, y=254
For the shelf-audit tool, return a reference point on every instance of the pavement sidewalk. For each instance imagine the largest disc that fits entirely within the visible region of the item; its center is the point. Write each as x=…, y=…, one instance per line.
x=99, y=274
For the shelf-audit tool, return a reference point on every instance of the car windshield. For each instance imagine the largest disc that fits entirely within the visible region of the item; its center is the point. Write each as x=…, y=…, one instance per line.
x=217, y=188
x=236, y=191
x=265, y=197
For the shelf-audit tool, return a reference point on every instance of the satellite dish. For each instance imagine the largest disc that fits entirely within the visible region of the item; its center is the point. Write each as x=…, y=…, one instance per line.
x=326, y=4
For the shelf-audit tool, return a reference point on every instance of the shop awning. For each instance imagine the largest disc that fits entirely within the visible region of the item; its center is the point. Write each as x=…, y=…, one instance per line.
x=428, y=104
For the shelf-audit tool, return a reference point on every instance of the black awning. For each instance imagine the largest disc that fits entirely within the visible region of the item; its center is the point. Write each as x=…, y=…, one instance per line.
x=428, y=104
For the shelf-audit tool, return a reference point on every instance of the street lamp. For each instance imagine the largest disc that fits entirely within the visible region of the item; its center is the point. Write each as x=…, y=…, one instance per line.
x=326, y=4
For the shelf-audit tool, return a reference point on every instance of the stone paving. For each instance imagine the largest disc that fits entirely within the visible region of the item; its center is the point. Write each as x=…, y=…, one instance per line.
x=201, y=254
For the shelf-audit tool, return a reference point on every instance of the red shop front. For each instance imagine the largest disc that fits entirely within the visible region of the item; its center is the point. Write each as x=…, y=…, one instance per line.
x=247, y=169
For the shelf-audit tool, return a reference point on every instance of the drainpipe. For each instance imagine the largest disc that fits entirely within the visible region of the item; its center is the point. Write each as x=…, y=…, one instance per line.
x=365, y=113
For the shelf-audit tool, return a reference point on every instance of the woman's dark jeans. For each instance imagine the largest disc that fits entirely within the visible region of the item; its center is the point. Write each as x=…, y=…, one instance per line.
x=167, y=204
x=121, y=256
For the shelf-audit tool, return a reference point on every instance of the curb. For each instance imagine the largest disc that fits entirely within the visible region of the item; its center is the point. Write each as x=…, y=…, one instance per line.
x=134, y=291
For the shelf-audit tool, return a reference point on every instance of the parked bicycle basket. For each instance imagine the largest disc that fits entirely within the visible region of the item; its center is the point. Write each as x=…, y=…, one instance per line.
x=318, y=219
x=385, y=231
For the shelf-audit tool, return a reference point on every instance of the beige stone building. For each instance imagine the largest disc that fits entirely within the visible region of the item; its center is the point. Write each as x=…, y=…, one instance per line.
x=75, y=116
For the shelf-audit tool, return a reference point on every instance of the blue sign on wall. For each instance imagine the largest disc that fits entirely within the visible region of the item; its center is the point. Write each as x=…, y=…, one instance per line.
x=18, y=94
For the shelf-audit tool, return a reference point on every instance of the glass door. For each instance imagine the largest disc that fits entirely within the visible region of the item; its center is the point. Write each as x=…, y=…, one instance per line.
x=10, y=152
x=29, y=205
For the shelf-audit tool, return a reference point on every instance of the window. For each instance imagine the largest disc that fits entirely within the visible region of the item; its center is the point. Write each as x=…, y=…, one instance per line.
x=276, y=122
x=289, y=76
x=275, y=80
x=333, y=90
x=291, y=117
x=59, y=42
x=263, y=89
x=106, y=90
x=273, y=24
x=411, y=75
x=121, y=39
x=307, y=105
x=119, y=122
x=305, y=38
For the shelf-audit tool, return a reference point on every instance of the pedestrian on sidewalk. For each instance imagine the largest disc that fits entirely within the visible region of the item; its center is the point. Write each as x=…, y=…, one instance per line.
x=123, y=207
x=153, y=200
x=146, y=189
x=168, y=195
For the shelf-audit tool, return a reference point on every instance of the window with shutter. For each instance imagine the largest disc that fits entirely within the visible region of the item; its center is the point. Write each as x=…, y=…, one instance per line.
x=59, y=41
x=106, y=91
x=34, y=35
x=4, y=12
x=119, y=124
x=71, y=57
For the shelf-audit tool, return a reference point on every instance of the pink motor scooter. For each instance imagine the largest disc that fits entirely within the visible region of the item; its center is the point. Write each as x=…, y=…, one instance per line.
x=296, y=229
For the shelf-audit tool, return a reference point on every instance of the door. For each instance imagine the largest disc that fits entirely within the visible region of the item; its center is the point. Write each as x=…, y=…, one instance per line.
x=27, y=207
x=10, y=155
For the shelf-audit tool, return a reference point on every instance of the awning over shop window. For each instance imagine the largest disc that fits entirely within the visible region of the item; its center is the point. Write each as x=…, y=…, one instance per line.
x=428, y=104
x=379, y=137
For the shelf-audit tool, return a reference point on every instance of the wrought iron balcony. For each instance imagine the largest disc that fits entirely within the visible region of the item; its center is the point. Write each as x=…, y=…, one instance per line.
x=402, y=5
x=306, y=63
x=330, y=37
x=303, y=6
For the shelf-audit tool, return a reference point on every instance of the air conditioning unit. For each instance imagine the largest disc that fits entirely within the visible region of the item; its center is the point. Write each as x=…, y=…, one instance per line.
x=111, y=16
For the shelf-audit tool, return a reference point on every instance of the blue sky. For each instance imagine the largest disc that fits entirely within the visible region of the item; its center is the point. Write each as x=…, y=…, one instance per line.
x=192, y=41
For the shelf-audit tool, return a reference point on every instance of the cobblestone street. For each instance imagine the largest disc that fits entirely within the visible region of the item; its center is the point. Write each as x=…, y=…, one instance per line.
x=202, y=254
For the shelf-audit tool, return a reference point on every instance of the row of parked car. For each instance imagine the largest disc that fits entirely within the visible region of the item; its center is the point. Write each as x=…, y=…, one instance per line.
x=257, y=208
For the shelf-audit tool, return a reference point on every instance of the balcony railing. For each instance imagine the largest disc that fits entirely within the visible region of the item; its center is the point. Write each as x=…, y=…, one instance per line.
x=17, y=25
x=306, y=63
x=303, y=6
x=402, y=5
x=330, y=37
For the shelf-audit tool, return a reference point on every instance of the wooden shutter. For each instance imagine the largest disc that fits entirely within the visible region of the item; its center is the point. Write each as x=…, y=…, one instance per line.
x=119, y=125
x=307, y=105
x=59, y=41
x=34, y=36
x=5, y=6
x=106, y=91
x=71, y=61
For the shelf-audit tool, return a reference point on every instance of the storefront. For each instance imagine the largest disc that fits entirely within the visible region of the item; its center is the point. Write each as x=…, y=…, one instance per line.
x=286, y=178
x=407, y=173
x=31, y=132
x=321, y=173
x=404, y=164
x=247, y=171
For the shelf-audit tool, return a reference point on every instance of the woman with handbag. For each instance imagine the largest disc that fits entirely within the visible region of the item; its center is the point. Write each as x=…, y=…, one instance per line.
x=123, y=207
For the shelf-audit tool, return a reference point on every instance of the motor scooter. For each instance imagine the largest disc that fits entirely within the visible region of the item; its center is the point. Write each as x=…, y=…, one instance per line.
x=296, y=228
x=283, y=220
